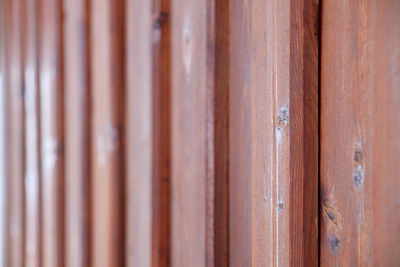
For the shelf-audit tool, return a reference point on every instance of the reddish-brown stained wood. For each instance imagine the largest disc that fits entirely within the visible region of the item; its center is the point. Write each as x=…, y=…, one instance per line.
x=32, y=155
x=51, y=132
x=107, y=83
x=199, y=101
x=16, y=148
x=139, y=149
x=77, y=139
x=360, y=61
x=273, y=157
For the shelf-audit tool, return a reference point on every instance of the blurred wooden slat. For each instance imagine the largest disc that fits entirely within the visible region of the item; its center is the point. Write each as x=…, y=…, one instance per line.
x=273, y=133
x=148, y=112
x=32, y=175
x=360, y=144
x=139, y=133
x=107, y=83
x=77, y=139
x=16, y=148
x=199, y=101
x=51, y=131
x=4, y=129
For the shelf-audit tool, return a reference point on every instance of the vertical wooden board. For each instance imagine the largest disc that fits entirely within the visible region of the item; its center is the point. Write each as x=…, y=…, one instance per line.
x=3, y=135
x=77, y=139
x=32, y=174
x=139, y=132
x=51, y=131
x=271, y=101
x=107, y=83
x=359, y=133
x=189, y=152
x=16, y=149
x=161, y=99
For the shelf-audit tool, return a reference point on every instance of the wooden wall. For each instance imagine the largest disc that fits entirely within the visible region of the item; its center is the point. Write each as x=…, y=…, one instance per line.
x=199, y=133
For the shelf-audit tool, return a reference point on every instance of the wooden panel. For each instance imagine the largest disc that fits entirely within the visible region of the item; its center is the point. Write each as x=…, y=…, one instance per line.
x=107, y=81
x=32, y=174
x=139, y=132
x=199, y=101
x=273, y=157
x=51, y=132
x=77, y=139
x=360, y=133
x=16, y=94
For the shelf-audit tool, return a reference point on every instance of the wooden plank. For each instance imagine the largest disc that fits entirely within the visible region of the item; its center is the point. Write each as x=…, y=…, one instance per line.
x=51, y=132
x=77, y=139
x=161, y=83
x=139, y=133
x=4, y=133
x=273, y=133
x=199, y=133
x=360, y=133
x=107, y=82
x=16, y=149
x=32, y=154
x=148, y=143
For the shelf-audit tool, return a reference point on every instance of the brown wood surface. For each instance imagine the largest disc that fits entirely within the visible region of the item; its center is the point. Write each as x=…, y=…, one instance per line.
x=77, y=135
x=273, y=133
x=139, y=134
x=360, y=188
x=16, y=139
x=199, y=133
x=107, y=132
x=51, y=132
x=32, y=153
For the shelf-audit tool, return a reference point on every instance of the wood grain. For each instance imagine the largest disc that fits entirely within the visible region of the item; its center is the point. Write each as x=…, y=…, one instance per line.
x=359, y=133
x=51, y=131
x=32, y=137
x=273, y=157
x=107, y=132
x=77, y=138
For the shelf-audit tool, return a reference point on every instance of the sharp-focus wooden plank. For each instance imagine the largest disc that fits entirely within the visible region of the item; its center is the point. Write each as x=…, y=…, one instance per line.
x=77, y=139
x=107, y=83
x=199, y=133
x=16, y=148
x=139, y=132
x=273, y=133
x=51, y=131
x=360, y=145
x=32, y=155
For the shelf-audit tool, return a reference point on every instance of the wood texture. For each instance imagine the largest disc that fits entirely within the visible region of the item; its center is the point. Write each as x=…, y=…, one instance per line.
x=77, y=138
x=199, y=101
x=32, y=154
x=139, y=119
x=273, y=157
x=107, y=132
x=17, y=164
x=51, y=132
x=359, y=133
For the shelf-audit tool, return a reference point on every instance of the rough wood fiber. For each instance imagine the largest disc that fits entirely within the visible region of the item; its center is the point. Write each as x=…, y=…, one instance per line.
x=51, y=132
x=360, y=143
x=107, y=132
x=77, y=126
x=273, y=133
